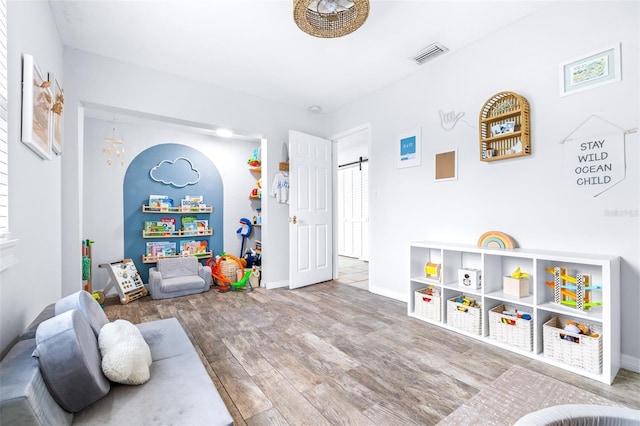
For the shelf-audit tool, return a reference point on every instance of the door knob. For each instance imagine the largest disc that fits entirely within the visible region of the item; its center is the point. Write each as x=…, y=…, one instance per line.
x=293, y=220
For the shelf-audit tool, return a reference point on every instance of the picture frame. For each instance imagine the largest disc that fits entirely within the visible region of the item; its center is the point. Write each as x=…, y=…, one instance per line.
x=36, y=108
x=446, y=165
x=409, y=148
x=590, y=71
x=57, y=116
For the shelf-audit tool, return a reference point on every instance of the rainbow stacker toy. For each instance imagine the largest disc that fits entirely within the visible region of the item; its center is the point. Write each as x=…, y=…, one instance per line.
x=562, y=293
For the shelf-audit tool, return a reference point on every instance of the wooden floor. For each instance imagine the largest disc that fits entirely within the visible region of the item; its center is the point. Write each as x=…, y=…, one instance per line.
x=332, y=354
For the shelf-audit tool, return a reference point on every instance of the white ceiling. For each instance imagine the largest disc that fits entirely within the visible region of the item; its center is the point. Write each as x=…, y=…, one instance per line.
x=253, y=46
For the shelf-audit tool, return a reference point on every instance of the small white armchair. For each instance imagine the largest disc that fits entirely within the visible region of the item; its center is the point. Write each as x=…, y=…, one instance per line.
x=178, y=276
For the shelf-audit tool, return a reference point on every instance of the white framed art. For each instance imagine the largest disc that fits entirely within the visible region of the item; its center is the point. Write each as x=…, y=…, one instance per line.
x=57, y=116
x=409, y=148
x=36, y=109
x=592, y=70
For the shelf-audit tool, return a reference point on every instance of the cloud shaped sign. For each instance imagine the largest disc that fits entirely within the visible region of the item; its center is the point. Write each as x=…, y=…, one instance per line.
x=179, y=172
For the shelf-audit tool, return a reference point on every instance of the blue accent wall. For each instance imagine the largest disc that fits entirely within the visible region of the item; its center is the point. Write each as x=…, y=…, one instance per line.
x=138, y=185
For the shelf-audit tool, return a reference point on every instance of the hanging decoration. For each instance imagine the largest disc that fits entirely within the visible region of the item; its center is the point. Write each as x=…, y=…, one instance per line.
x=114, y=148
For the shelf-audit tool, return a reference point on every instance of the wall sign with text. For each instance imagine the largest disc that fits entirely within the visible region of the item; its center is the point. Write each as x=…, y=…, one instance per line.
x=596, y=163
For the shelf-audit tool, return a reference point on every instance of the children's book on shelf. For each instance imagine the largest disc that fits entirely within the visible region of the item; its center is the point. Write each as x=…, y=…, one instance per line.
x=189, y=225
x=202, y=225
x=164, y=226
x=161, y=248
x=193, y=247
x=161, y=202
x=193, y=203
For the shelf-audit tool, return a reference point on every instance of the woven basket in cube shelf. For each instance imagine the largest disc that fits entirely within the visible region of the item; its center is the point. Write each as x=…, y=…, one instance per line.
x=577, y=350
x=511, y=330
x=464, y=317
x=428, y=305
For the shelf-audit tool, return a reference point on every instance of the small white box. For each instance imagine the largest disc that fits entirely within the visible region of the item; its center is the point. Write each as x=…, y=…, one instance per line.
x=470, y=278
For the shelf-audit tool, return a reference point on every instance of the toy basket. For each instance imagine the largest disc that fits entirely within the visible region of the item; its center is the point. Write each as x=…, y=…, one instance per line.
x=511, y=330
x=229, y=268
x=428, y=303
x=467, y=318
x=575, y=349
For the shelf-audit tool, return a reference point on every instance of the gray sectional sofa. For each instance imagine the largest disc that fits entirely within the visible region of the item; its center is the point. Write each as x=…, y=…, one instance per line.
x=52, y=375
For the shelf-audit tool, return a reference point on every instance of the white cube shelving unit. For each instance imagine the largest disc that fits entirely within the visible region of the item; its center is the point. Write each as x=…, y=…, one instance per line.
x=494, y=263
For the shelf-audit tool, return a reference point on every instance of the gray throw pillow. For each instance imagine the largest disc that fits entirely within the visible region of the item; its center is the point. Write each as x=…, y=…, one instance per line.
x=69, y=361
x=89, y=307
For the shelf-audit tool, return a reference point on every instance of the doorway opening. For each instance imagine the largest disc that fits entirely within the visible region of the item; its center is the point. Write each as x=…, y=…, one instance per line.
x=352, y=207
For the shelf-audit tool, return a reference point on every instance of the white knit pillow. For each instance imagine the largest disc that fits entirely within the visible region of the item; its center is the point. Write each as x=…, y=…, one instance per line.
x=125, y=354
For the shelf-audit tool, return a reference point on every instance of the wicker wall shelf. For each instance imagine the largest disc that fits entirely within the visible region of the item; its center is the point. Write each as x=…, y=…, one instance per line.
x=504, y=127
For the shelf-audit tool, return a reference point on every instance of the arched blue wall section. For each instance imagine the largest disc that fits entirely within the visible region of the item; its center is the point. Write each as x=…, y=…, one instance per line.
x=138, y=185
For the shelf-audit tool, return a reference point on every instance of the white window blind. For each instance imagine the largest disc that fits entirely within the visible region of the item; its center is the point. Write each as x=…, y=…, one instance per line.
x=4, y=141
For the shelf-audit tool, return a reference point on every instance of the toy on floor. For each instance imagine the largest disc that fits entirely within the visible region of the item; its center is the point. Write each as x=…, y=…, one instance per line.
x=227, y=267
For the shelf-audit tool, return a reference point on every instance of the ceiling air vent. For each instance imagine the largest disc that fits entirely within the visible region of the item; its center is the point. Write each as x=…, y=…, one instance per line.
x=429, y=52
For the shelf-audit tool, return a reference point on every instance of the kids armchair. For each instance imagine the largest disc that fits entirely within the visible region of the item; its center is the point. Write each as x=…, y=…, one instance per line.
x=178, y=276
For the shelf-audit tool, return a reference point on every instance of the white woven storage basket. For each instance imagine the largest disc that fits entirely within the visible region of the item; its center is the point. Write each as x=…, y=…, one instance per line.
x=511, y=330
x=428, y=305
x=466, y=318
x=581, y=351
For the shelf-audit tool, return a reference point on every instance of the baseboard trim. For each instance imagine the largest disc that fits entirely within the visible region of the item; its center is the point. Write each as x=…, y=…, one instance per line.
x=386, y=293
x=276, y=284
x=630, y=363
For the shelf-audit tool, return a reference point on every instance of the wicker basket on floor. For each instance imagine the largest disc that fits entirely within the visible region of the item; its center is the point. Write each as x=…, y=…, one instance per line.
x=511, y=330
x=428, y=303
x=467, y=318
x=577, y=350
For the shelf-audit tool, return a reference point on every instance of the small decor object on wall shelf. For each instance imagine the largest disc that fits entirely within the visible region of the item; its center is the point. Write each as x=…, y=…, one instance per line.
x=37, y=100
x=504, y=127
x=590, y=71
x=496, y=239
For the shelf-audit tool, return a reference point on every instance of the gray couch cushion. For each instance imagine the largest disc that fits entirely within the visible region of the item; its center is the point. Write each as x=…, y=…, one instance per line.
x=89, y=307
x=69, y=360
x=181, y=392
x=191, y=282
x=178, y=267
x=166, y=338
x=25, y=400
x=30, y=332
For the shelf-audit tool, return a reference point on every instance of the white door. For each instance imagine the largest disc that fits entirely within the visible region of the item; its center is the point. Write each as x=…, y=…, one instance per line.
x=310, y=210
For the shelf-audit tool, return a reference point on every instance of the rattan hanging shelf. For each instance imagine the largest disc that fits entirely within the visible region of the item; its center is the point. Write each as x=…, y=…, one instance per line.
x=504, y=127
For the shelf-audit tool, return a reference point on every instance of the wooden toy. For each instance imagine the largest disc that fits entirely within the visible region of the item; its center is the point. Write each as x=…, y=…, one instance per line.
x=432, y=270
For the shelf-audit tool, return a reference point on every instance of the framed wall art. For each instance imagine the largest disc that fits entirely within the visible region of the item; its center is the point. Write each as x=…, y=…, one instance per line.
x=409, y=149
x=36, y=108
x=57, y=115
x=446, y=166
x=590, y=71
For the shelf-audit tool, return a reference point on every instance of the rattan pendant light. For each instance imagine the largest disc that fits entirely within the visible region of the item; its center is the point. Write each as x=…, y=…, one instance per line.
x=330, y=18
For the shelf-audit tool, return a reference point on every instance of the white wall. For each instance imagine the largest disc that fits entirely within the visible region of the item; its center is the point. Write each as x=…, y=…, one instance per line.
x=103, y=184
x=515, y=196
x=34, y=184
x=96, y=80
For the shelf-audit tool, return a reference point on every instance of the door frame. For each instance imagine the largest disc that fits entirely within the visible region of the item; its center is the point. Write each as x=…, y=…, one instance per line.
x=363, y=128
